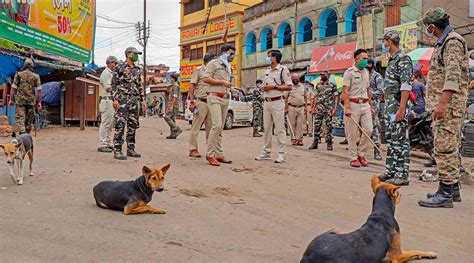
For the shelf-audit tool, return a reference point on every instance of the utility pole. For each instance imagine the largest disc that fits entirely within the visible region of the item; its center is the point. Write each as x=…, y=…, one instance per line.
x=143, y=33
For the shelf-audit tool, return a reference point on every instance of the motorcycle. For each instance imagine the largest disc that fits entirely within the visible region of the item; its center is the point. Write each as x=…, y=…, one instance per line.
x=421, y=133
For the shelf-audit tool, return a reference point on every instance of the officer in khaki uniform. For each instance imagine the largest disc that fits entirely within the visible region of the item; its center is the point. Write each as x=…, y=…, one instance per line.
x=198, y=105
x=106, y=109
x=218, y=76
x=448, y=78
x=295, y=106
x=357, y=107
x=277, y=81
x=23, y=89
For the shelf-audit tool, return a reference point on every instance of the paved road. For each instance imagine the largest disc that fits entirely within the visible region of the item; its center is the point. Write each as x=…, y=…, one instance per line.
x=244, y=212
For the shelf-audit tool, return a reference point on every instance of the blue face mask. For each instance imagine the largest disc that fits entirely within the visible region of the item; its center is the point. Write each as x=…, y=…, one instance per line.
x=385, y=49
x=268, y=60
x=430, y=34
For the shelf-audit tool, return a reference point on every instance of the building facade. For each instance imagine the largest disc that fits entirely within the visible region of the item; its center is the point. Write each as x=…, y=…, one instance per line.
x=205, y=26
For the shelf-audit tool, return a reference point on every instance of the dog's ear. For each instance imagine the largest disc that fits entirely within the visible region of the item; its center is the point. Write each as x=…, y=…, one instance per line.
x=18, y=145
x=393, y=191
x=2, y=146
x=375, y=183
x=165, y=168
x=146, y=170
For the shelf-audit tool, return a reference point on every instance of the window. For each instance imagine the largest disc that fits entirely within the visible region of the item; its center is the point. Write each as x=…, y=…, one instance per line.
x=266, y=39
x=196, y=54
x=328, y=23
x=250, y=43
x=213, y=2
x=351, y=19
x=305, y=30
x=193, y=6
x=216, y=48
x=185, y=52
x=284, y=35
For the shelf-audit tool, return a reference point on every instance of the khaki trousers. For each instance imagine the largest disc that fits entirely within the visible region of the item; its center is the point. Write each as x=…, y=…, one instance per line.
x=218, y=111
x=274, y=113
x=203, y=116
x=361, y=114
x=297, y=121
x=107, y=114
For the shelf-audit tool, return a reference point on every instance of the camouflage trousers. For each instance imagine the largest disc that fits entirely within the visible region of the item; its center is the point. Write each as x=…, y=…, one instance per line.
x=170, y=119
x=127, y=114
x=321, y=118
x=376, y=122
x=447, y=137
x=397, y=163
x=24, y=118
x=257, y=121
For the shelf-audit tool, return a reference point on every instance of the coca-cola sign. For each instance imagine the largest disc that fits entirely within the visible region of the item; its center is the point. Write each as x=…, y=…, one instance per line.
x=335, y=57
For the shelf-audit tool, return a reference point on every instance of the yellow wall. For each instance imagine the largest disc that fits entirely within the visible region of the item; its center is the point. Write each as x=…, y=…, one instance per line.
x=191, y=35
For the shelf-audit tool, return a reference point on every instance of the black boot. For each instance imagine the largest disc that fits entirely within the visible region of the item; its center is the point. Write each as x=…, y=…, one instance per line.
x=442, y=198
x=456, y=193
x=431, y=162
x=314, y=145
x=133, y=153
x=377, y=155
x=384, y=177
x=256, y=134
x=120, y=156
x=344, y=142
x=329, y=147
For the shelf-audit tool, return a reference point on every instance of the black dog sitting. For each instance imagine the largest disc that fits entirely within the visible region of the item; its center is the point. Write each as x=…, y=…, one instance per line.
x=378, y=238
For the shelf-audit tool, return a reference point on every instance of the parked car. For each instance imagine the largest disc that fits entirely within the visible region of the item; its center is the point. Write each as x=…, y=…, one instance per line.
x=238, y=113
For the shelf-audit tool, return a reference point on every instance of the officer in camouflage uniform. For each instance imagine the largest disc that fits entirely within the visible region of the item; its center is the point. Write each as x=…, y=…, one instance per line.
x=257, y=105
x=172, y=108
x=376, y=87
x=447, y=83
x=324, y=108
x=128, y=94
x=398, y=77
x=23, y=90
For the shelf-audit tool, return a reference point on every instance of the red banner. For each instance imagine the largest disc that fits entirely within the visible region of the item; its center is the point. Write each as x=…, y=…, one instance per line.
x=335, y=57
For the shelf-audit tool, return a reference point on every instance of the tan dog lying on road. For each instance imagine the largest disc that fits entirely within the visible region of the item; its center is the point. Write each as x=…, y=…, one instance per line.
x=16, y=152
x=132, y=197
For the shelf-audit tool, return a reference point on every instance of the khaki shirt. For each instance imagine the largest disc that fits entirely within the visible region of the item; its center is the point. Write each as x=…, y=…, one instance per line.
x=358, y=82
x=297, y=95
x=280, y=75
x=216, y=69
x=200, y=87
x=105, y=86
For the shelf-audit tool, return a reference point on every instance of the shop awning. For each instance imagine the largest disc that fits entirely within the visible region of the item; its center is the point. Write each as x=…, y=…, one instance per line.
x=421, y=58
x=334, y=57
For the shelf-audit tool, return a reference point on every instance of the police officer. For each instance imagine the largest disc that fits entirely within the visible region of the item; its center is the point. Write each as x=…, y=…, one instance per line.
x=448, y=78
x=218, y=76
x=398, y=77
x=277, y=81
x=127, y=93
x=295, y=107
x=25, y=82
x=198, y=105
x=173, y=108
x=106, y=108
x=324, y=106
x=257, y=105
x=376, y=87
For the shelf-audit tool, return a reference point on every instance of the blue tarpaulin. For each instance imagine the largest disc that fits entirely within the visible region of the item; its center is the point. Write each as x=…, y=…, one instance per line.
x=52, y=93
x=9, y=65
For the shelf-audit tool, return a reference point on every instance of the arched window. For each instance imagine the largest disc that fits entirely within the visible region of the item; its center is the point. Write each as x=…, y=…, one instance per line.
x=266, y=39
x=305, y=30
x=351, y=19
x=328, y=23
x=284, y=35
x=250, y=43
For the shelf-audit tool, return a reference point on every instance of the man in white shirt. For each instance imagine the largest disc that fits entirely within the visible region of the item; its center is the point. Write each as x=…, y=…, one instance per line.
x=106, y=109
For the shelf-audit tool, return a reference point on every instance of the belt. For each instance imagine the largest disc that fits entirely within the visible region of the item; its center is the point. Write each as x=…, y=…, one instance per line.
x=106, y=98
x=294, y=106
x=202, y=99
x=273, y=98
x=359, y=100
x=217, y=94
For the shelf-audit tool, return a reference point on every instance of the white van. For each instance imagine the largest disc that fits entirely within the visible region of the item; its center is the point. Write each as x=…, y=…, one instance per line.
x=238, y=113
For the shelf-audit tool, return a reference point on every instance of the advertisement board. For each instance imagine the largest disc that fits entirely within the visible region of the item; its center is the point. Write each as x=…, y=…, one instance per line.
x=211, y=29
x=408, y=39
x=61, y=27
x=335, y=57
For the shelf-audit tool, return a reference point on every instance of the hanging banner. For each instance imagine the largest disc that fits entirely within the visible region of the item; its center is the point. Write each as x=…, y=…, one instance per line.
x=408, y=39
x=335, y=57
x=62, y=27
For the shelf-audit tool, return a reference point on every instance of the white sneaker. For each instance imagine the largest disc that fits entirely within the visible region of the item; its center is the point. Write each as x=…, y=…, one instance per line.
x=263, y=157
x=280, y=158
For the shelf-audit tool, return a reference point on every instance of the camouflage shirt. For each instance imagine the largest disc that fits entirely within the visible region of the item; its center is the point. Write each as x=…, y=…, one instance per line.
x=325, y=94
x=449, y=71
x=376, y=85
x=25, y=83
x=126, y=82
x=398, y=75
x=174, y=93
x=257, y=97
